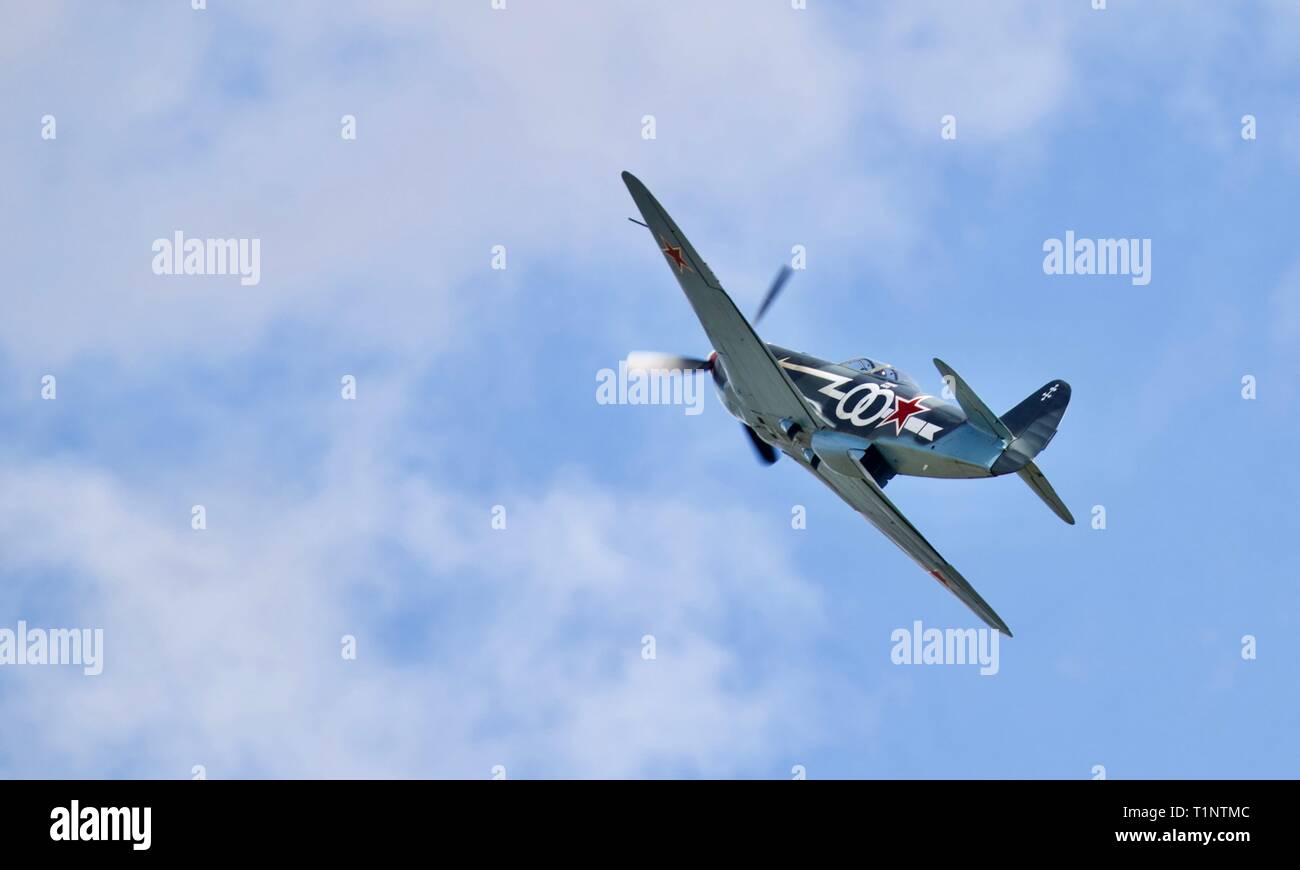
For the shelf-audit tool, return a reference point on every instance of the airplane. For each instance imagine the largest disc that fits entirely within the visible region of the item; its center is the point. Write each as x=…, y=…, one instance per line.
x=858, y=424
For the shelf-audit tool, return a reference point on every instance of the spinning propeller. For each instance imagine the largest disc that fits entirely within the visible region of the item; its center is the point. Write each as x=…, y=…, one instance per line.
x=649, y=360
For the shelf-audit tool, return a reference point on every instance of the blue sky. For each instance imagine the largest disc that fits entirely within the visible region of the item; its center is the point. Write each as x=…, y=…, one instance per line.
x=476, y=387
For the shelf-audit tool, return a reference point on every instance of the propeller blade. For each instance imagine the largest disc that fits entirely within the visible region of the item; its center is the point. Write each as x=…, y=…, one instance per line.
x=766, y=452
x=649, y=360
x=777, y=283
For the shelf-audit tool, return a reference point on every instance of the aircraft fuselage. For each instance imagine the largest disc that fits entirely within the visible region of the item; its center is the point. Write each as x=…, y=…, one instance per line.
x=913, y=433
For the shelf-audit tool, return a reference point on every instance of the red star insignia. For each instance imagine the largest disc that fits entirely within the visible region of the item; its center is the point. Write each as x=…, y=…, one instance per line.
x=674, y=254
x=903, y=408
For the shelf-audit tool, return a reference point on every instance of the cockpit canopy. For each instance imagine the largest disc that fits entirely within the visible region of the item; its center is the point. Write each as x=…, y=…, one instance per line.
x=881, y=370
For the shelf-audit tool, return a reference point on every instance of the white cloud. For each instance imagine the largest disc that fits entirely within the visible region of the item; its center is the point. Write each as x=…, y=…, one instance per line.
x=474, y=128
x=476, y=647
x=519, y=647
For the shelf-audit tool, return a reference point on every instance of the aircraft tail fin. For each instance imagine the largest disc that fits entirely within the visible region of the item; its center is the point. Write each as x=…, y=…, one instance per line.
x=1032, y=424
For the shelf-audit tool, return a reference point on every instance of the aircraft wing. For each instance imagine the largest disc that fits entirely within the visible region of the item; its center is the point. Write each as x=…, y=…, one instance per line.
x=864, y=496
x=755, y=375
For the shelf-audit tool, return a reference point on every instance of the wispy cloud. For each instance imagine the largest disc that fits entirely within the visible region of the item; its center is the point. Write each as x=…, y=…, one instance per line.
x=520, y=647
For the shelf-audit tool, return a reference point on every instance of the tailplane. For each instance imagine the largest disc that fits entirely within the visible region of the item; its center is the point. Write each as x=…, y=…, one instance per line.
x=1038, y=483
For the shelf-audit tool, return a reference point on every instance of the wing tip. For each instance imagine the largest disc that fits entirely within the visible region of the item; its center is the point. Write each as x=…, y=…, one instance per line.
x=995, y=622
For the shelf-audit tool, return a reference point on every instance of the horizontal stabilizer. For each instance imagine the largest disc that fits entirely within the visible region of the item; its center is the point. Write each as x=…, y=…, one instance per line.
x=977, y=412
x=1038, y=483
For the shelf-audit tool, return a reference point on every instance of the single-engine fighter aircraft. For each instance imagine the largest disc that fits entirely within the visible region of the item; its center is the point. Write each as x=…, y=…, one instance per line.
x=856, y=424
